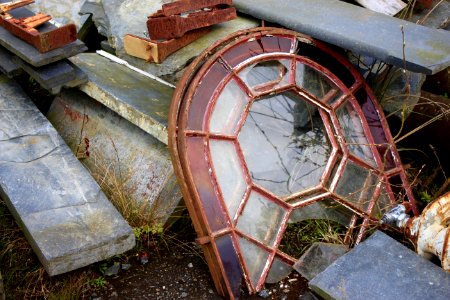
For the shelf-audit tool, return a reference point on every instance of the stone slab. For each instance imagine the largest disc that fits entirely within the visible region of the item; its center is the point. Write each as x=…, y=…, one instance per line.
x=65, y=216
x=317, y=258
x=30, y=54
x=114, y=19
x=360, y=30
x=146, y=177
x=382, y=268
x=54, y=76
x=137, y=98
x=438, y=16
x=64, y=12
x=7, y=66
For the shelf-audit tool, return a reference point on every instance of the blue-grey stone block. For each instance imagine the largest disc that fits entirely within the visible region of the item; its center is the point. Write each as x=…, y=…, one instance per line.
x=7, y=66
x=382, y=268
x=65, y=216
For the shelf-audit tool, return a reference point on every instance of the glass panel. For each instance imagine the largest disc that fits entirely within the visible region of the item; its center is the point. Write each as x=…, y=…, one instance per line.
x=315, y=223
x=376, y=128
x=278, y=271
x=326, y=209
x=356, y=185
x=255, y=259
x=203, y=183
x=228, y=110
x=315, y=83
x=229, y=174
x=383, y=204
x=261, y=219
x=203, y=94
x=256, y=46
x=288, y=135
x=267, y=75
x=229, y=258
x=354, y=135
x=321, y=57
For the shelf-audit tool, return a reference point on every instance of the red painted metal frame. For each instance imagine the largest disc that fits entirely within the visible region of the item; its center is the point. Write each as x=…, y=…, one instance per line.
x=197, y=177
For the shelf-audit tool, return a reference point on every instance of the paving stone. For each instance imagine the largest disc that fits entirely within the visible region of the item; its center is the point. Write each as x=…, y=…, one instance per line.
x=30, y=54
x=140, y=162
x=317, y=258
x=65, y=216
x=55, y=75
x=358, y=29
x=115, y=20
x=7, y=66
x=137, y=98
x=382, y=268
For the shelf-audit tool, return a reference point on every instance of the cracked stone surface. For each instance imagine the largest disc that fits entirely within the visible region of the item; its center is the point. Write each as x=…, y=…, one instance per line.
x=65, y=216
x=382, y=268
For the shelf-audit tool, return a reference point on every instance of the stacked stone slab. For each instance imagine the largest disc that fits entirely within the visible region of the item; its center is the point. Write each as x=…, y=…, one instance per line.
x=65, y=216
x=51, y=69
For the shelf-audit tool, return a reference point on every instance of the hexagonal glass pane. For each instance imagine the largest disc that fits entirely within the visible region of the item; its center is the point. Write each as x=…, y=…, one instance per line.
x=228, y=109
x=357, y=185
x=354, y=134
x=383, y=204
x=255, y=259
x=316, y=84
x=228, y=173
x=326, y=209
x=261, y=219
x=285, y=144
x=267, y=75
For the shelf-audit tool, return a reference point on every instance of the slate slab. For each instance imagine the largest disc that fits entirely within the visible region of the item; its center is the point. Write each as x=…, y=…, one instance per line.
x=116, y=18
x=27, y=52
x=7, y=66
x=358, y=29
x=65, y=216
x=116, y=151
x=317, y=258
x=137, y=98
x=382, y=268
x=54, y=76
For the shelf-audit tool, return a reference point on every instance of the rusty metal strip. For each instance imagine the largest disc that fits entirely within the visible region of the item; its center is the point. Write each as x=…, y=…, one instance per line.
x=157, y=51
x=179, y=7
x=175, y=26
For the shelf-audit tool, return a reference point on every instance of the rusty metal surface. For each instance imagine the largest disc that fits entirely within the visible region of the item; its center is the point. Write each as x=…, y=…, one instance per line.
x=24, y=28
x=360, y=30
x=176, y=26
x=179, y=7
x=215, y=230
x=157, y=51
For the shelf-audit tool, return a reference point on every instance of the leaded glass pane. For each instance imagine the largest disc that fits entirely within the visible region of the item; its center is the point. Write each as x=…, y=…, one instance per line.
x=267, y=75
x=255, y=259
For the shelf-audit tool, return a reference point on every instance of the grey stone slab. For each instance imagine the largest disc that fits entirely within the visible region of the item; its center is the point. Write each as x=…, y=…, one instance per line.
x=64, y=12
x=434, y=20
x=30, y=54
x=137, y=98
x=65, y=216
x=140, y=162
x=54, y=76
x=317, y=258
x=119, y=18
x=7, y=65
x=382, y=268
x=358, y=29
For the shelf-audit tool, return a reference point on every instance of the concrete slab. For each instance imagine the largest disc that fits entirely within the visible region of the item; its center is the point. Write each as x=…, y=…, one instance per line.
x=118, y=154
x=382, y=268
x=7, y=66
x=65, y=216
x=113, y=18
x=54, y=76
x=358, y=29
x=140, y=100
